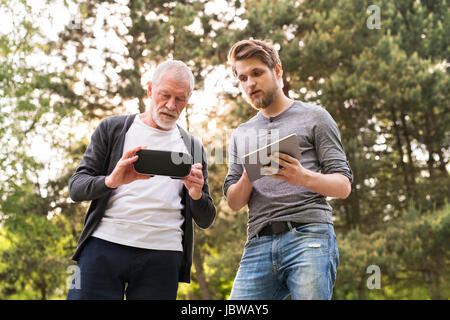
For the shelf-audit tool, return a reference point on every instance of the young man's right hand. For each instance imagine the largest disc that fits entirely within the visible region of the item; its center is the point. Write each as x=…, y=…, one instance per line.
x=238, y=194
x=124, y=171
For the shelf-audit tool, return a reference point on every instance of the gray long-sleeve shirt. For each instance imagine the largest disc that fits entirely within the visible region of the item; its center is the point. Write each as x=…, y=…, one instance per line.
x=322, y=151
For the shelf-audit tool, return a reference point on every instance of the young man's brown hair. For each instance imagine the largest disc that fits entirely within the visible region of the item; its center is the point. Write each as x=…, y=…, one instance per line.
x=246, y=49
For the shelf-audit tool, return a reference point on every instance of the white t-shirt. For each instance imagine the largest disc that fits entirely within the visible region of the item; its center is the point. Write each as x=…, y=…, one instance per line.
x=146, y=213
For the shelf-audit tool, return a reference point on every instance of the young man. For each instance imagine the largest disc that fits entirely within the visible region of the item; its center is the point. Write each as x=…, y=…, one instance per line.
x=137, y=239
x=291, y=246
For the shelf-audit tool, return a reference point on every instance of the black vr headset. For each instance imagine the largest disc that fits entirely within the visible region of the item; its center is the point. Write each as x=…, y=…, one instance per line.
x=176, y=165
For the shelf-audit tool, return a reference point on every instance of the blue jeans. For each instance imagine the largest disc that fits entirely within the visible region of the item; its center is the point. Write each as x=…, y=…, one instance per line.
x=301, y=262
x=111, y=271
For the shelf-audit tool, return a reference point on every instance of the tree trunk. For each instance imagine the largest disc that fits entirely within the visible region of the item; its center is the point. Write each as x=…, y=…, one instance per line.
x=362, y=291
x=438, y=149
x=200, y=275
x=43, y=290
x=429, y=145
x=433, y=278
x=411, y=168
x=436, y=286
x=286, y=86
x=353, y=213
x=408, y=148
x=400, y=151
x=142, y=106
x=188, y=111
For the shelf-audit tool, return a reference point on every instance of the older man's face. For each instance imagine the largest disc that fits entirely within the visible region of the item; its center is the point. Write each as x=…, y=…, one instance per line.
x=168, y=99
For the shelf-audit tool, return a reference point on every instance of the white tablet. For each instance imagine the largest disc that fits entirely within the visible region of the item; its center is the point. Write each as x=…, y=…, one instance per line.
x=255, y=161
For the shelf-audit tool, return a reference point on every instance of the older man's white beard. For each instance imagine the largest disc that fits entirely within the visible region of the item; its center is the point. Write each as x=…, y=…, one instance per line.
x=163, y=123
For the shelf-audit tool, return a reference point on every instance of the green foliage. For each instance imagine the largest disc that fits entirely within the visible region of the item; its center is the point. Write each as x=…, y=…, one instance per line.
x=411, y=253
x=34, y=267
x=35, y=239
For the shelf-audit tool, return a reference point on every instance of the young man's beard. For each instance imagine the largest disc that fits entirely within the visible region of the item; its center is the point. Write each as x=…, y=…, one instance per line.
x=266, y=99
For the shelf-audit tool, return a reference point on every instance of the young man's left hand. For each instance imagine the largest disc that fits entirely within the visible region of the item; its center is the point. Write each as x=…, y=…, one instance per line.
x=288, y=169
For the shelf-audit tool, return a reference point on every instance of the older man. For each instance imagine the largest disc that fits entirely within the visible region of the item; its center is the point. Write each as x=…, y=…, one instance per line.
x=137, y=239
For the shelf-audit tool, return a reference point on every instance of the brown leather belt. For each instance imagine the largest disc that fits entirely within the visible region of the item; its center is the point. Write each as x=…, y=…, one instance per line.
x=277, y=227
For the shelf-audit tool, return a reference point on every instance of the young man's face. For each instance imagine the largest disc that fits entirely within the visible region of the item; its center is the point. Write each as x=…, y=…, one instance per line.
x=259, y=82
x=168, y=99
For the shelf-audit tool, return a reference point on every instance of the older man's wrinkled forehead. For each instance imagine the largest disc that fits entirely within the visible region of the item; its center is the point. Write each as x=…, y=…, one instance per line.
x=174, y=84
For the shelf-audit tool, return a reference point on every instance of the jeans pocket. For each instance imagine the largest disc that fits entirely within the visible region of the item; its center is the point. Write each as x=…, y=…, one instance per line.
x=313, y=230
x=313, y=239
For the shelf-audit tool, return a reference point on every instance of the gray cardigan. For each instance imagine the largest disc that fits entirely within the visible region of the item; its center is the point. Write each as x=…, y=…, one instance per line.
x=100, y=159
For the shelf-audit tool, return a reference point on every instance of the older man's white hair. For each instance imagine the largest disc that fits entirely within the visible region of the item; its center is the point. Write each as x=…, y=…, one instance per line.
x=179, y=70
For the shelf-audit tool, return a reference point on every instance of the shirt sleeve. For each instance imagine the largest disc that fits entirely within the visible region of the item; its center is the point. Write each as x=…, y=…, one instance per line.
x=329, y=148
x=88, y=182
x=203, y=210
x=236, y=168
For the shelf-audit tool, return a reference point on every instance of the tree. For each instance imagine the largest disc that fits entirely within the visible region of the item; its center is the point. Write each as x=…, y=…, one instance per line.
x=33, y=192
x=409, y=252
